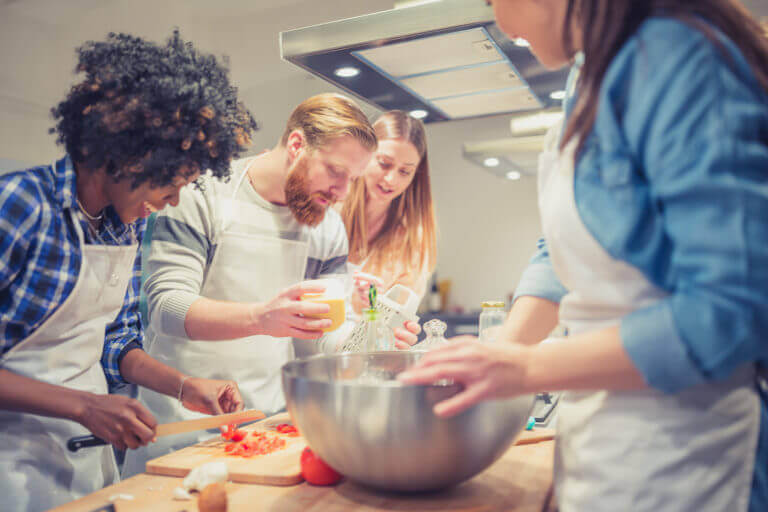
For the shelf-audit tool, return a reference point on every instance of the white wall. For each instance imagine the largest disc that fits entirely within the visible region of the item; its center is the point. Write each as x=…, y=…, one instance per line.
x=24, y=136
x=39, y=38
x=488, y=226
x=8, y=165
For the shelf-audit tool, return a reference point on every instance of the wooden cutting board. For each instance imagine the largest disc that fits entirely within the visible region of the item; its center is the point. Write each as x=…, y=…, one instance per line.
x=278, y=468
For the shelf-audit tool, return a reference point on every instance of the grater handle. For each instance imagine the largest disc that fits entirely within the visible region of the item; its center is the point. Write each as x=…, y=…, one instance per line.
x=397, y=319
x=411, y=304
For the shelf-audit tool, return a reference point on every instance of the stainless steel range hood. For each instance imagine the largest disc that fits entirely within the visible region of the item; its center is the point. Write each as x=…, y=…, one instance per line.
x=445, y=60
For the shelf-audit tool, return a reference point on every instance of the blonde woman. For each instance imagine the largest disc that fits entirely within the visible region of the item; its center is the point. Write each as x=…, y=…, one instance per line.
x=388, y=212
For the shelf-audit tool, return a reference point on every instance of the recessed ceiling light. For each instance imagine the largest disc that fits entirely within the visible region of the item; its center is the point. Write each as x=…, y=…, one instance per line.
x=522, y=42
x=346, y=72
x=557, y=95
x=513, y=175
x=419, y=113
x=491, y=162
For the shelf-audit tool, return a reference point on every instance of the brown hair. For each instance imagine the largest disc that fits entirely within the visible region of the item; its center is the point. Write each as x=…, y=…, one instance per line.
x=606, y=25
x=328, y=116
x=410, y=230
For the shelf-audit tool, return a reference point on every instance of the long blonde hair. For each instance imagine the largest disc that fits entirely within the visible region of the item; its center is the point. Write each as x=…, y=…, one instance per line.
x=410, y=229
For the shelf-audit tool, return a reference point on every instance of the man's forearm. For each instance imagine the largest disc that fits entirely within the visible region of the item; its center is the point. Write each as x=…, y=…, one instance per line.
x=24, y=394
x=213, y=320
x=530, y=320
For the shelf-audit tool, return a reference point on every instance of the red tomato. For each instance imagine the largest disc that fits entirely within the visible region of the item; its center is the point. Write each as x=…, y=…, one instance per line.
x=315, y=471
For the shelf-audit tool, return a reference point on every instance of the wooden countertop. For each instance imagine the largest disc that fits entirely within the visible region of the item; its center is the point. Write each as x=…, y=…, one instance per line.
x=520, y=481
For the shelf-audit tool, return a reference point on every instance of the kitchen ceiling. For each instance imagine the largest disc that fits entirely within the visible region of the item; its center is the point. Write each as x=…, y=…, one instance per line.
x=38, y=38
x=445, y=60
x=440, y=59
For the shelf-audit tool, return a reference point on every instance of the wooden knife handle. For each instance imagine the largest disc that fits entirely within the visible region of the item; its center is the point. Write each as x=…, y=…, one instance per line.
x=76, y=443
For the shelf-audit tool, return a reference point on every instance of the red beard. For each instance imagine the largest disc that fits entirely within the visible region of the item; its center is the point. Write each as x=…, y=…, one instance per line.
x=301, y=202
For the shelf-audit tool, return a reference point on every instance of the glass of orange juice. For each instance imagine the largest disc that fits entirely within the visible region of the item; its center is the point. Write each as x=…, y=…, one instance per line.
x=334, y=295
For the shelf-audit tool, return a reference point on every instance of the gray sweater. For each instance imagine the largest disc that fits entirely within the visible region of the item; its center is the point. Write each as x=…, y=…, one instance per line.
x=183, y=245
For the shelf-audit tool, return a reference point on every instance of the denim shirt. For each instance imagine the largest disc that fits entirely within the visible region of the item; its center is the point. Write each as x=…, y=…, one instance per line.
x=673, y=179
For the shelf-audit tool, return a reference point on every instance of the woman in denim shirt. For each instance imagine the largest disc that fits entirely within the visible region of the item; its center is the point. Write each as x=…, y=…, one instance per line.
x=654, y=204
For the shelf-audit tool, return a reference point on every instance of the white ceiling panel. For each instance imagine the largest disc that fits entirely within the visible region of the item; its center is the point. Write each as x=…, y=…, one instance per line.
x=488, y=103
x=433, y=53
x=463, y=81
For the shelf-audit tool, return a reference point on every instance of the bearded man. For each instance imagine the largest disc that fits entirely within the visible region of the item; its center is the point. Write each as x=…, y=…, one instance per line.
x=222, y=272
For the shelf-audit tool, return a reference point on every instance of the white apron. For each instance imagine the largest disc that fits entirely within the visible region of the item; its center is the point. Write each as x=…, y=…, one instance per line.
x=246, y=267
x=636, y=450
x=37, y=472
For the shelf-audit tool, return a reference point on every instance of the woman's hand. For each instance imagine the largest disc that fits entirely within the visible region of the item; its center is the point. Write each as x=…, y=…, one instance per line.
x=363, y=283
x=407, y=336
x=486, y=371
x=286, y=315
x=210, y=396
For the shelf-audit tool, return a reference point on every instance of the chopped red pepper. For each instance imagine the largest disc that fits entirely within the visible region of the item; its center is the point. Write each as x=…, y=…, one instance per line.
x=227, y=434
x=238, y=435
x=288, y=429
x=233, y=434
x=258, y=443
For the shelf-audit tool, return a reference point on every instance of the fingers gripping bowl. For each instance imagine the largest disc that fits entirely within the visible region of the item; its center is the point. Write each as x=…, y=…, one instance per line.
x=381, y=433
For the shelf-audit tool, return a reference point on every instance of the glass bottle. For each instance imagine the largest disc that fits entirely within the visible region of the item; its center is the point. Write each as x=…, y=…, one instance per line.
x=491, y=319
x=435, y=330
x=377, y=336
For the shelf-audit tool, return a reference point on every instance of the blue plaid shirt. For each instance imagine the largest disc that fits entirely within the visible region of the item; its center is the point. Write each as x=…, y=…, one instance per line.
x=40, y=259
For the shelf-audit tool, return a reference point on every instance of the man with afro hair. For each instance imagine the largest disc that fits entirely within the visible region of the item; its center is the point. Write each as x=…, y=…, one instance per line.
x=145, y=120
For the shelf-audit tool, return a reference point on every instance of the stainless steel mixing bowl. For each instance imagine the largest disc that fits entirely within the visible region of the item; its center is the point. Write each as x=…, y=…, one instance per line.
x=383, y=434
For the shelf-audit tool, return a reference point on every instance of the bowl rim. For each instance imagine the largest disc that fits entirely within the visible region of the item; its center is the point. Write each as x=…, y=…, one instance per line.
x=286, y=371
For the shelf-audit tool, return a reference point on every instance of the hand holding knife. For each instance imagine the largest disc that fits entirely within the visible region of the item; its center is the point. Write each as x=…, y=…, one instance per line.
x=177, y=427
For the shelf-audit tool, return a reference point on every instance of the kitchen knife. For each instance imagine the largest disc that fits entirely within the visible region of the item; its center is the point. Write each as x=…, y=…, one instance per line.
x=177, y=427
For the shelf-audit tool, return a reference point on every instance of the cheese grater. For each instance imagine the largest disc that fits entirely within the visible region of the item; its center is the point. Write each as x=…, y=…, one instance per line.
x=396, y=307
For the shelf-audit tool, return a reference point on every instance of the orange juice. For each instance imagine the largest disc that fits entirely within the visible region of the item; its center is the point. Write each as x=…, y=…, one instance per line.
x=337, y=312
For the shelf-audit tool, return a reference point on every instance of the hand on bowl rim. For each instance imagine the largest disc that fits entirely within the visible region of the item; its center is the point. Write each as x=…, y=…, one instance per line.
x=486, y=371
